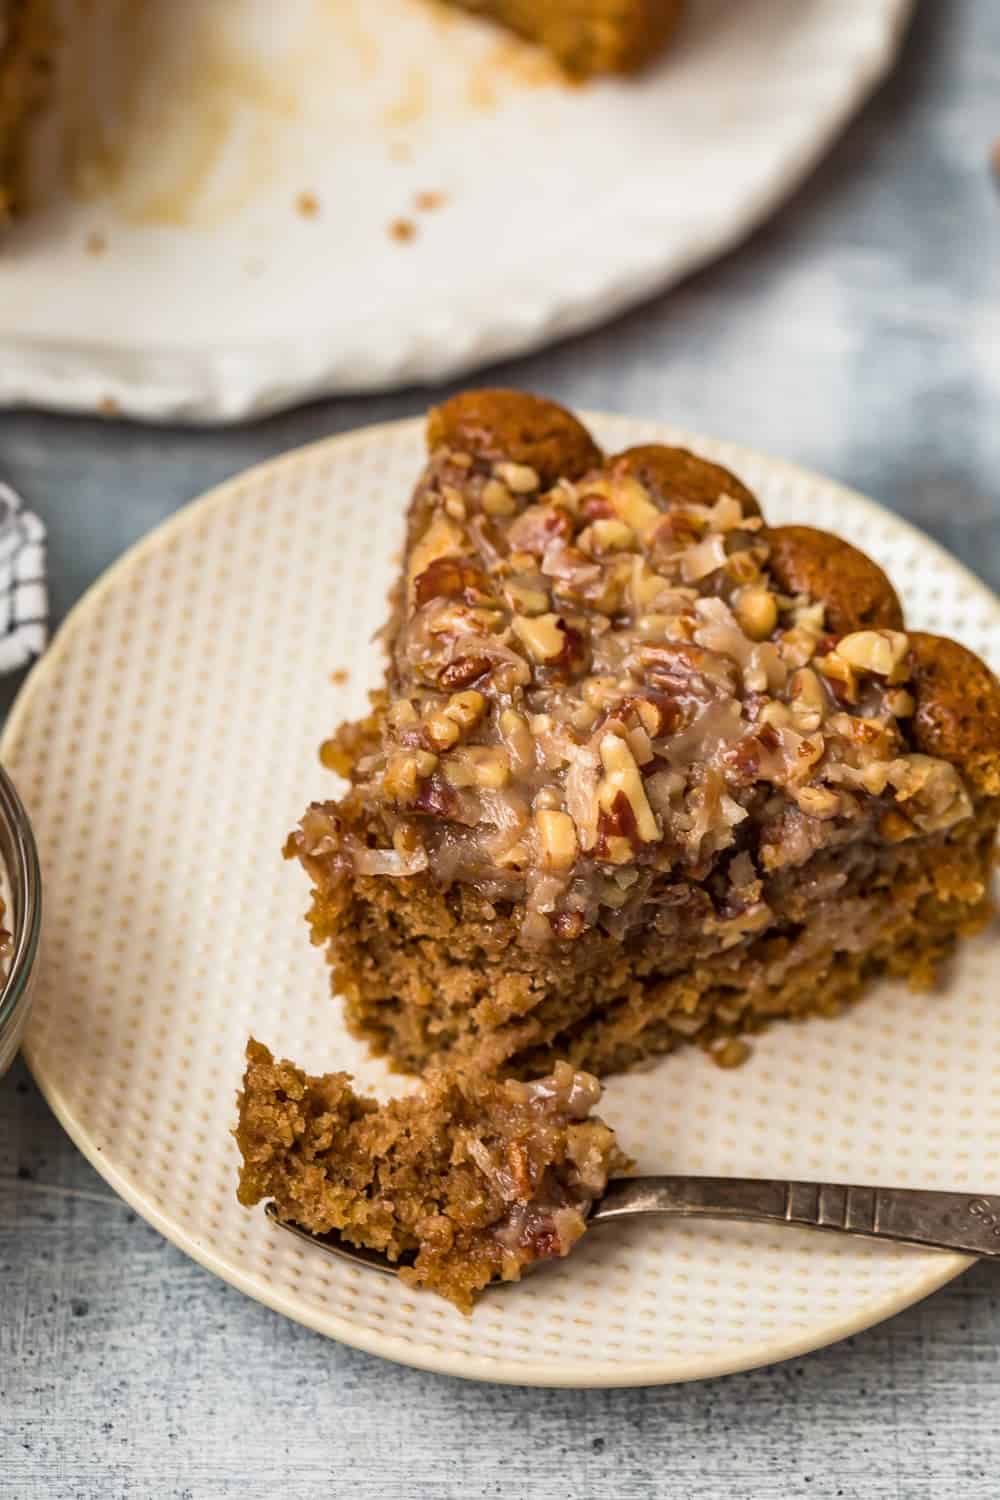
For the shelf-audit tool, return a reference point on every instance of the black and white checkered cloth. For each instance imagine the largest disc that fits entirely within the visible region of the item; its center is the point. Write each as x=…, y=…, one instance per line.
x=24, y=594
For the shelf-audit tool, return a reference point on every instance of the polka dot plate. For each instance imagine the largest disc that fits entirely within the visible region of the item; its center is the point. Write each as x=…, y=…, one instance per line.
x=165, y=745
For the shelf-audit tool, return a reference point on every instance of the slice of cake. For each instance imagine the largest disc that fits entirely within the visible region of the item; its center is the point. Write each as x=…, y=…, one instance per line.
x=645, y=769
x=468, y=1182
x=588, y=36
x=25, y=61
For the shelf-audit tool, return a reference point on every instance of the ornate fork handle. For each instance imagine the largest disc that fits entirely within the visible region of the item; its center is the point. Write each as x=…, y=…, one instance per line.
x=966, y=1222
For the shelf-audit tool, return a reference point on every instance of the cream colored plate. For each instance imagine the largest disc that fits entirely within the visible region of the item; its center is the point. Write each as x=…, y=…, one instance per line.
x=214, y=194
x=166, y=744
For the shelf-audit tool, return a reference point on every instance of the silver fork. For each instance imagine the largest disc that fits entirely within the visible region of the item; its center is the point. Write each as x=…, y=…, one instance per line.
x=968, y=1223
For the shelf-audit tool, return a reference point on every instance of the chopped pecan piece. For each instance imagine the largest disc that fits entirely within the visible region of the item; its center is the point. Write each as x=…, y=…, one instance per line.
x=537, y=527
x=520, y=479
x=756, y=609
x=463, y=671
x=550, y=642
x=596, y=507
x=435, y=797
x=557, y=839
x=622, y=779
x=452, y=578
x=681, y=668
x=656, y=712
x=617, y=831
x=840, y=675
x=674, y=531
x=879, y=651
x=604, y=536
x=497, y=499
x=405, y=773
x=445, y=726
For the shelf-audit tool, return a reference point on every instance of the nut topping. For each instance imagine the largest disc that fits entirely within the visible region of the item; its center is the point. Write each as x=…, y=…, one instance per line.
x=602, y=684
x=622, y=778
x=497, y=499
x=441, y=732
x=557, y=839
x=443, y=538
x=628, y=500
x=596, y=507
x=462, y=671
x=404, y=773
x=402, y=714
x=465, y=708
x=445, y=726
x=525, y=599
x=478, y=765
x=520, y=479
x=604, y=536
x=703, y=558
x=454, y=502
x=535, y=530
x=840, y=675
x=544, y=636
x=757, y=611
x=518, y=739
x=451, y=578
x=880, y=651
x=657, y=714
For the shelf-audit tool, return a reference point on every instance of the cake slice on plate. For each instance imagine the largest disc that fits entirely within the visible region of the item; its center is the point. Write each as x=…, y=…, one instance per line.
x=644, y=770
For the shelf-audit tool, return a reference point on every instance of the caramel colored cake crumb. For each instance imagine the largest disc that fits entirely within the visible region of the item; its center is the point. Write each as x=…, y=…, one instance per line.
x=588, y=36
x=470, y=1181
x=646, y=770
x=402, y=230
x=429, y=202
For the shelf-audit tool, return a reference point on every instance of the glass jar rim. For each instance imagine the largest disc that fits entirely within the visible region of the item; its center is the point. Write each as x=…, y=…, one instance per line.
x=20, y=855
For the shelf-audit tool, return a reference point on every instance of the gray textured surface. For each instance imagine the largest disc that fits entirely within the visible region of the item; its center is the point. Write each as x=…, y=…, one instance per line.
x=858, y=333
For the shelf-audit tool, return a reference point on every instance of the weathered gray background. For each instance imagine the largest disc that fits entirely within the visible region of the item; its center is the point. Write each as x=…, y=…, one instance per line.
x=859, y=333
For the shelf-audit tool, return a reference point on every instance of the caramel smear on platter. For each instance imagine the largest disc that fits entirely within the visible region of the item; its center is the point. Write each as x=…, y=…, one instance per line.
x=184, y=114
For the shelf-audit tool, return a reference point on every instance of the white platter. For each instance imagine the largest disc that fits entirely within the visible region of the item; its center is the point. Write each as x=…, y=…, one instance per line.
x=164, y=746
x=172, y=267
